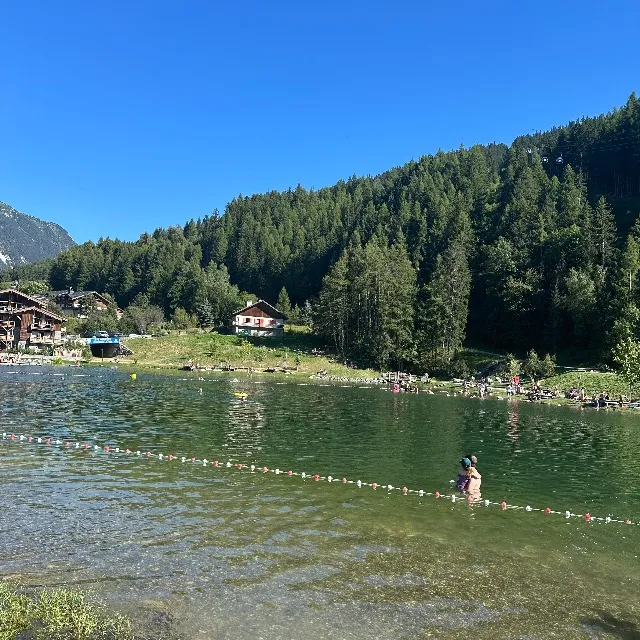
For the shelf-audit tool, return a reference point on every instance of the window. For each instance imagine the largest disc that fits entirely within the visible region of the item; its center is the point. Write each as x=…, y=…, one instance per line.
x=247, y=320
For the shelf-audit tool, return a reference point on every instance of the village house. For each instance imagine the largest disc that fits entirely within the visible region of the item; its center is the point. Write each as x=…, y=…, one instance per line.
x=26, y=322
x=81, y=303
x=259, y=319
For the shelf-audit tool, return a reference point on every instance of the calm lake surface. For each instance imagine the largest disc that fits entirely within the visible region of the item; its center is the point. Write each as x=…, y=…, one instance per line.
x=191, y=552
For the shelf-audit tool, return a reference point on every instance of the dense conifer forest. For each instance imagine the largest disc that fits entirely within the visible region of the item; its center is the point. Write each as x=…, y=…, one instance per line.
x=536, y=245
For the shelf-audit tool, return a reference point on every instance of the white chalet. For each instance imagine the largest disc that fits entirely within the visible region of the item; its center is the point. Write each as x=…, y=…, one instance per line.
x=259, y=319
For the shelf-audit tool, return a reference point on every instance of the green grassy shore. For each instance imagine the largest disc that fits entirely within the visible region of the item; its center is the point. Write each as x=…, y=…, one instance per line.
x=291, y=352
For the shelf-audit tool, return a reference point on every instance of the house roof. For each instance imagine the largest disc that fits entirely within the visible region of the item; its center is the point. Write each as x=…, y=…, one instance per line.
x=264, y=306
x=75, y=295
x=44, y=312
x=35, y=299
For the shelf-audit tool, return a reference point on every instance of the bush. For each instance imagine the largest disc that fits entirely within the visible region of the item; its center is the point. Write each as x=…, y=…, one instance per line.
x=512, y=365
x=459, y=368
x=531, y=364
x=548, y=366
x=260, y=354
x=64, y=614
x=536, y=368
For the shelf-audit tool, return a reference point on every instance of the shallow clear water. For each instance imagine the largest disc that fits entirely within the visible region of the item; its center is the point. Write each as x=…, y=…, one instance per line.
x=195, y=552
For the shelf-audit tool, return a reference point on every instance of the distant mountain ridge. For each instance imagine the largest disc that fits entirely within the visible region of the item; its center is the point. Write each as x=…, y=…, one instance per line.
x=25, y=239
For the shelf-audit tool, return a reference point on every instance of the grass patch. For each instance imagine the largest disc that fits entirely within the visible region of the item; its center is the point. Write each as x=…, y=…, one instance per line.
x=57, y=614
x=594, y=383
x=293, y=350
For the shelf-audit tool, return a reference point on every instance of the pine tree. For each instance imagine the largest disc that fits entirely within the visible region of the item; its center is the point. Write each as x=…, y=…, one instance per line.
x=206, y=313
x=445, y=305
x=284, y=304
x=332, y=309
x=603, y=233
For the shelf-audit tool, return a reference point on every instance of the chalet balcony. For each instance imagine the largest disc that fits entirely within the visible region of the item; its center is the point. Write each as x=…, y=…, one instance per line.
x=41, y=326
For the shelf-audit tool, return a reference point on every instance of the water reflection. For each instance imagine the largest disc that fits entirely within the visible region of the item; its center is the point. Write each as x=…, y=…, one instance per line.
x=234, y=554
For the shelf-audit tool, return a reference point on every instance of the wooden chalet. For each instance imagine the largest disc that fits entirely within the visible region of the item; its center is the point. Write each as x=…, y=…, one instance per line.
x=26, y=322
x=74, y=303
x=259, y=319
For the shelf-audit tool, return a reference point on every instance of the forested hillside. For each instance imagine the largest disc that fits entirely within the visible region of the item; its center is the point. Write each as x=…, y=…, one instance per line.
x=533, y=245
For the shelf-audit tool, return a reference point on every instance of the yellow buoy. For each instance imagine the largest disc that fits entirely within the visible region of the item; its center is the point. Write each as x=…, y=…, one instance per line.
x=133, y=376
x=241, y=395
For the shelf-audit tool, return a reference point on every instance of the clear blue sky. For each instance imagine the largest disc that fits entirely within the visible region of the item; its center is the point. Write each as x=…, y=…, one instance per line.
x=118, y=117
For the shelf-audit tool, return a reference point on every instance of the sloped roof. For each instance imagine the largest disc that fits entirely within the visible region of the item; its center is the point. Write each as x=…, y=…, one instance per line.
x=264, y=306
x=24, y=295
x=45, y=312
x=75, y=295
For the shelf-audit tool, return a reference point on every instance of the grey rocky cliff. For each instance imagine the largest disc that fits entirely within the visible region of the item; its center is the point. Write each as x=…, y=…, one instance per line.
x=25, y=239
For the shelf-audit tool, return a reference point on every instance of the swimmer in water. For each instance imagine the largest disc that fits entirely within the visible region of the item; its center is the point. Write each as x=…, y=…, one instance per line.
x=475, y=479
x=464, y=474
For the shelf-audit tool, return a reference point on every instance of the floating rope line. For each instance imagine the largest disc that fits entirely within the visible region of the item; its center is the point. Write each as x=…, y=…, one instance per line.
x=253, y=468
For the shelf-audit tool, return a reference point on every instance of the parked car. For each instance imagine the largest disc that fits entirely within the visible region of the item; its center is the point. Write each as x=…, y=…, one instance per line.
x=101, y=334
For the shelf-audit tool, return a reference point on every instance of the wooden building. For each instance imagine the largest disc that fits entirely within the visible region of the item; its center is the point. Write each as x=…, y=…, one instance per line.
x=26, y=322
x=81, y=303
x=259, y=319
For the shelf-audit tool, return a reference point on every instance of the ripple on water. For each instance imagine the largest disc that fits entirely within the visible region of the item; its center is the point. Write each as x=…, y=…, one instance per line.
x=234, y=554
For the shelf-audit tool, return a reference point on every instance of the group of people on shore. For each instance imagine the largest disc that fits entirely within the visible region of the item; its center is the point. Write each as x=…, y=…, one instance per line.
x=602, y=400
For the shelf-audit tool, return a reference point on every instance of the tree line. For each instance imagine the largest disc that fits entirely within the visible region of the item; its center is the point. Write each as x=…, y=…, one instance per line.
x=533, y=245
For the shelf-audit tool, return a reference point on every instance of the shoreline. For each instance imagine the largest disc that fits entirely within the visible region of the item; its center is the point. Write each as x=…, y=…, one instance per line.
x=436, y=387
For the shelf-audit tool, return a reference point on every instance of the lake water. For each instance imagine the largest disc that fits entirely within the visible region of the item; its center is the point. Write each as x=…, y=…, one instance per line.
x=194, y=552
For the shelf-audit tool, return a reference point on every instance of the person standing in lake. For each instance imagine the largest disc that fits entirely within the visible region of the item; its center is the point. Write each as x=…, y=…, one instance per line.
x=463, y=474
x=469, y=479
x=475, y=479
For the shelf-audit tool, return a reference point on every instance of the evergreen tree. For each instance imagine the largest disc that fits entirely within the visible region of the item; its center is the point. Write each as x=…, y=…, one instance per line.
x=444, y=309
x=332, y=310
x=604, y=233
x=284, y=304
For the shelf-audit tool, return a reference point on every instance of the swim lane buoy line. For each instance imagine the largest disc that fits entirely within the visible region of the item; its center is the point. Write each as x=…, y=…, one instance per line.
x=252, y=468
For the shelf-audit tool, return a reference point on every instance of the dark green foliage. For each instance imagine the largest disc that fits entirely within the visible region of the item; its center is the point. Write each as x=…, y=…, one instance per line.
x=284, y=304
x=141, y=316
x=183, y=320
x=98, y=321
x=367, y=303
x=38, y=271
x=531, y=246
